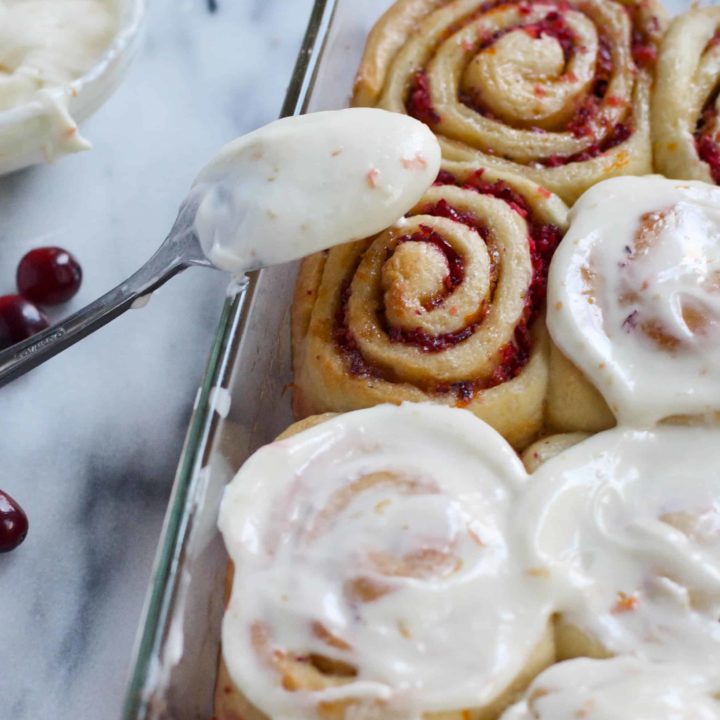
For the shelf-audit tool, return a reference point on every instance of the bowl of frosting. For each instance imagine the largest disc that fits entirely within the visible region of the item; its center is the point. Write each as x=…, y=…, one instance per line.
x=60, y=60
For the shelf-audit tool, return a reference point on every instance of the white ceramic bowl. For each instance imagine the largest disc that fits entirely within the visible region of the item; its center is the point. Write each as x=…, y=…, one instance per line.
x=27, y=131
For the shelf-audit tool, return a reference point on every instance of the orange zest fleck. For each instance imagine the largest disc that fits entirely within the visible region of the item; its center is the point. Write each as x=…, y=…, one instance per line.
x=624, y=603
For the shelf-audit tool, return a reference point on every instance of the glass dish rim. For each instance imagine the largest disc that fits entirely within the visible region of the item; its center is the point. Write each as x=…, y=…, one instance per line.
x=204, y=421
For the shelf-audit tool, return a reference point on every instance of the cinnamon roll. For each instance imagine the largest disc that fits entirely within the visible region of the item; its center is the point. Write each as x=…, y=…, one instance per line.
x=685, y=104
x=621, y=688
x=445, y=306
x=634, y=296
x=626, y=525
x=555, y=90
x=378, y=571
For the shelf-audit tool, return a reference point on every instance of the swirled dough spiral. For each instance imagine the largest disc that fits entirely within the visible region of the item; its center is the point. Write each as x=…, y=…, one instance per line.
x=378, y=572
x=444, y=306
x=685, y=98
x=558, y=91
x=627, y=526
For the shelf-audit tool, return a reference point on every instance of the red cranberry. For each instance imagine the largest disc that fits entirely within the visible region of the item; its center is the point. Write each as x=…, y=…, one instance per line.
x=49, y=275
x=13, y=523
x=19, y=319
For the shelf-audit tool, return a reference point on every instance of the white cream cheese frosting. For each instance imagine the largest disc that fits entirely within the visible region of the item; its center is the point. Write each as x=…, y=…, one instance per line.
x=620, y=689
x=627, y=526
x=382, y=539
x=44, y=46
x=306, y=183
x=634, y=296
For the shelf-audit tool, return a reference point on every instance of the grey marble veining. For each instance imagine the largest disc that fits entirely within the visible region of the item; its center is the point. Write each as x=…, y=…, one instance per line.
x=89, y=442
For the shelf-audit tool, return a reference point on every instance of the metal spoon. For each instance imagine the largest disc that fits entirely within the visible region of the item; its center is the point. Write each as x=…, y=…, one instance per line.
x=241, y=198
x=180, y=251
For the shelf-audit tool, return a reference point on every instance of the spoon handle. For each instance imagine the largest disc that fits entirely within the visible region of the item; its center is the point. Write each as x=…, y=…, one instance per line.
x=179, y=251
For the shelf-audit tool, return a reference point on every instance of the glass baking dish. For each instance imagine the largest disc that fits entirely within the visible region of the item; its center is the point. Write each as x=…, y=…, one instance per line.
x=244, y=401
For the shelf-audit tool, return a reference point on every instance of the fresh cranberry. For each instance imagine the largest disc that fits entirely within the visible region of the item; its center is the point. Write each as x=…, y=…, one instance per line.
x=13, y=523
x=49, y=275
x=19, y=319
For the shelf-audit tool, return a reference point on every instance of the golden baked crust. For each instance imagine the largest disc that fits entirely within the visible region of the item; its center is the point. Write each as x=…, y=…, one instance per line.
x=460, y=60
x=573, y=404
x=356, y=308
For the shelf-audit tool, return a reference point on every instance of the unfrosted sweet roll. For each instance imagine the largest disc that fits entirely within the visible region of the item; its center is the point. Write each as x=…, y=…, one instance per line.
x=626, y=525
x=378, y=572
x=685, y=98
x=557, y=91
x=621, y=689
x=444, y=306
x=634, y=296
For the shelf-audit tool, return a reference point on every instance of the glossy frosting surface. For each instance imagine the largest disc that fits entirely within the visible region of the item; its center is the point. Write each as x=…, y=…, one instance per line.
x=627, y=524
x=634, y=296
x=620, y=688
x=382, y=539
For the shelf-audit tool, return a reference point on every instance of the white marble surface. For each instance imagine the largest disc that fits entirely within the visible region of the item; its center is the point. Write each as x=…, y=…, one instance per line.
x=89, y=442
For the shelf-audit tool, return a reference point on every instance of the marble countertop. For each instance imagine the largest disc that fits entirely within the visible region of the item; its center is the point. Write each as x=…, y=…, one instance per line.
x=89, y=442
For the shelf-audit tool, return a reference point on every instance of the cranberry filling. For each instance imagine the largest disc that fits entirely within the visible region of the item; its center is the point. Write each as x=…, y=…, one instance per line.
x=419, y=103
x=709, y=152
x=644, y=37
x=714, y=41
x=620, y=133
x=553, y=25
x=706, y=143
x=345, y=340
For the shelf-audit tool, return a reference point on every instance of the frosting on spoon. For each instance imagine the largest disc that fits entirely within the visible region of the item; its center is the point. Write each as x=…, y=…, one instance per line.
x=306, y=183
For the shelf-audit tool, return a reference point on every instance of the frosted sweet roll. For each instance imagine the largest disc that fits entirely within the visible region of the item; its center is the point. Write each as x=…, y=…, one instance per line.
x=634, y=296
x=378, y=570
x=556, y=91
x=627, y=526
